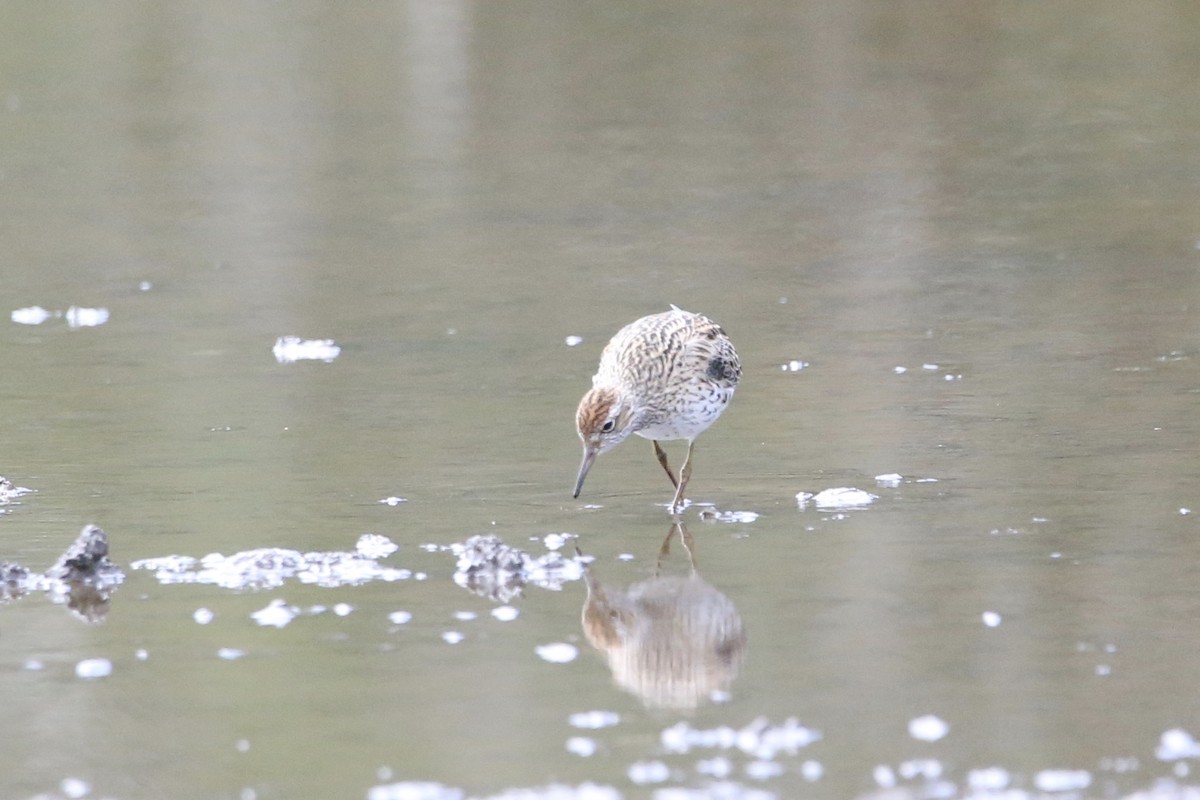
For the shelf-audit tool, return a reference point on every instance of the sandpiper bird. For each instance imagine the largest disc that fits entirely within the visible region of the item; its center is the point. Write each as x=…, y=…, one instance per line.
x=665, y=376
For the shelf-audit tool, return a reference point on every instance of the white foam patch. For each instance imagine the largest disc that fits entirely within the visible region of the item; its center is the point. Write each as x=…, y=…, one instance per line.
x=594, y=720
x=927, y=728
x=989, y=779
x=271, y=567
x=375, y=545
x=505, y=613
x=289, y=349
x=79, y=317
x=557, y=653
x=710, y=513
x=759, y=738
x=1176, y=744
x=75, y=788
x=93, y=668
x=75, y=316
x=276, y=614
x=33, y=315
x=644, y=772
x=581, y=746
x=415, y=790
x=555, y=541
x=842, y=497
x=1062, y=780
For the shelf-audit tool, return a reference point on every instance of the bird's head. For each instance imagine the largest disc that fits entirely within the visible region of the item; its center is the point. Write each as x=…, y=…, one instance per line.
x=603, y=420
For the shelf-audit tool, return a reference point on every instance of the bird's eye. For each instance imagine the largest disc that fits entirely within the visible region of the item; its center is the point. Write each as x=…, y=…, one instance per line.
x=608, y=426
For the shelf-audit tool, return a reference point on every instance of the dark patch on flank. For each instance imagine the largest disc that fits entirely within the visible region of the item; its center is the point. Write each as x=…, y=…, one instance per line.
x=717, y=367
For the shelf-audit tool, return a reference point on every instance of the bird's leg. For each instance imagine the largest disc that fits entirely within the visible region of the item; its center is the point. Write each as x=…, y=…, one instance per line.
x=685, y=472
x=662, y=459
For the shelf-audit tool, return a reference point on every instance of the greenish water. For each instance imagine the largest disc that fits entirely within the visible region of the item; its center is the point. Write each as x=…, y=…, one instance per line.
x=997, y=198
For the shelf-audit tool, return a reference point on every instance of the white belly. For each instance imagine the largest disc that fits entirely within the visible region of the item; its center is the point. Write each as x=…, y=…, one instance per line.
x=690, y=418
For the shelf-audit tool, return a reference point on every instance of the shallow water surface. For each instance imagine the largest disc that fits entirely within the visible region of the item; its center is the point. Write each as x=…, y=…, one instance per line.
x=956, y=248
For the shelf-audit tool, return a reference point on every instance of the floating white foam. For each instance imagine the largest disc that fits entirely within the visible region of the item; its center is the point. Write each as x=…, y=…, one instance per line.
x=1176, y=744
x=989, y=779
x=203, y=616
x=415, y=790
x=839, y=497
x=375, y=545
x=75, y=788
x=991, y=619
x=594, y=720
x=712, y=514
x=505, y=613
x=555, y=541
x=94, y=668
x=557, y=653
x=574, y=341
x=399, y=617
x=644, y=772
x=230, y=653
x=452, y=637
x=927, y=728
x=277, y=614
x=33, y=315
x=1062, y=780
x=78, y=317
x=581, y=746
x=763, y=770
x=794, y=365
x=393, y=501
x=891, y=480
x=759, y=738
x=288, y=349
x=270, y=567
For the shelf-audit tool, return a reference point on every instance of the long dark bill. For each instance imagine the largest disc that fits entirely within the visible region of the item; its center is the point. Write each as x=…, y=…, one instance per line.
x=589, y=455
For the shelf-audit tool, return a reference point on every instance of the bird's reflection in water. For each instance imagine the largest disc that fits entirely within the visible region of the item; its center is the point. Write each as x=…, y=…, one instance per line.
x=674, y=641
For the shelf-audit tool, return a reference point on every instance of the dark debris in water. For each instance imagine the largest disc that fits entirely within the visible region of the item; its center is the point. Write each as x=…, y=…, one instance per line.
x=83, y=577
x=490, y=568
